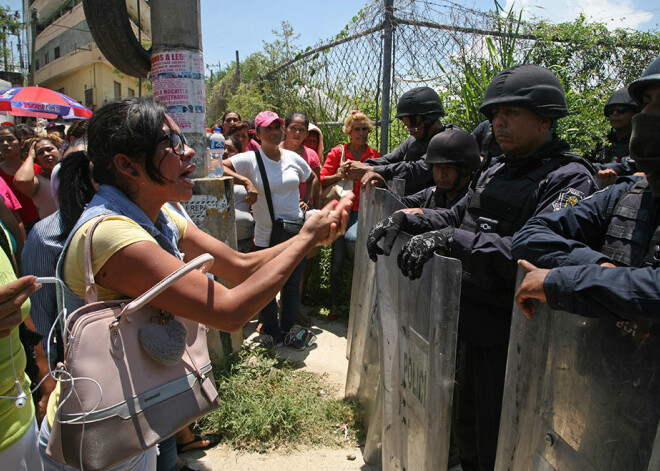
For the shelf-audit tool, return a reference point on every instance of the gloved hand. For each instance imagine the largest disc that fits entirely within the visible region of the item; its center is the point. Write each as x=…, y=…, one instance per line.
x=418, y=250
x=388, y=228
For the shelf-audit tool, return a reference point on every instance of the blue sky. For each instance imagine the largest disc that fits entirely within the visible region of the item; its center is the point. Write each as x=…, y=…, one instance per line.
x=230, y=25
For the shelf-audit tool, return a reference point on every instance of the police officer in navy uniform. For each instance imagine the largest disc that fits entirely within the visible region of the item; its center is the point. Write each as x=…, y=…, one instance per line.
x=488, y=146
x=420, y=109
x=537, y=174
x=613, y=158
x=454, y=156
x=601, y=258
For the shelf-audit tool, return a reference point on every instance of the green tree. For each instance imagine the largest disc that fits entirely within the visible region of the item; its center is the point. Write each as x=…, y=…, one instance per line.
x=590, y=60
x=10, y=25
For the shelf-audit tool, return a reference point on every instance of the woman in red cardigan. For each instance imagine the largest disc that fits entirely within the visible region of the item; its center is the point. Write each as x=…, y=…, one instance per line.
x=357, y=126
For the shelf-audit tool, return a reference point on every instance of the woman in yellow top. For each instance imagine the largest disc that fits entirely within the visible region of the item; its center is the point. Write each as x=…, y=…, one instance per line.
x=142, y=163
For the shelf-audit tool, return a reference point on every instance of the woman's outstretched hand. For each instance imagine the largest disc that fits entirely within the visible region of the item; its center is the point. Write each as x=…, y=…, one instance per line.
x=330, y=222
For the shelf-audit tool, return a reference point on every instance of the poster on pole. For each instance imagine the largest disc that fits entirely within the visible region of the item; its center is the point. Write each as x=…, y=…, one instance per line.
x=178, y=82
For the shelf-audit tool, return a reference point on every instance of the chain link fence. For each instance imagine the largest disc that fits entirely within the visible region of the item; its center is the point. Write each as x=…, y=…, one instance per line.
x=392, y=46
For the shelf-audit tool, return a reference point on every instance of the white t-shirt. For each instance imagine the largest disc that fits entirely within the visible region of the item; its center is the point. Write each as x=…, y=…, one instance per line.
x=284, y=176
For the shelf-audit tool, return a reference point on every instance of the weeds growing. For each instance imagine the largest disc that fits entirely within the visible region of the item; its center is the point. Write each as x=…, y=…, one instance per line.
x=318, y=286
x=268, y=404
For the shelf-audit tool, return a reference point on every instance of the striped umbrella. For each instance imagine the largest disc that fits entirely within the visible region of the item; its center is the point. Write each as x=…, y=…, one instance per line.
x=40, y=102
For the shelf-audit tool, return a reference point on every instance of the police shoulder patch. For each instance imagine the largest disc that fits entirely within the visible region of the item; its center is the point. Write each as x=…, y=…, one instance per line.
x=568, y=197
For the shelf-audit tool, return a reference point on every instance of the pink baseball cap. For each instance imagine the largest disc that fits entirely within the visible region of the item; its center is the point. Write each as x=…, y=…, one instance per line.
x=266, y=118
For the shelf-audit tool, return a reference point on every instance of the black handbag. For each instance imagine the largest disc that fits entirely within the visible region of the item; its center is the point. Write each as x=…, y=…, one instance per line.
x=283, y=229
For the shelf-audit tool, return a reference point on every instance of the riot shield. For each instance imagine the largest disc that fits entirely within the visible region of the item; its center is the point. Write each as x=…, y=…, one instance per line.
x=363, y=376
x=372, y=203
x=419, y=322
x=363, y=276
x=580, y=394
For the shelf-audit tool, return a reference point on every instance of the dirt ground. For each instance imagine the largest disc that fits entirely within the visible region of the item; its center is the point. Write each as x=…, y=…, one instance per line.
x=329, y=357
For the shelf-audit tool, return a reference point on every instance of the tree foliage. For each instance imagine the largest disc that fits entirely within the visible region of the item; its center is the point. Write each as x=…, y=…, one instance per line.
x=590, y=60
x=10, y=25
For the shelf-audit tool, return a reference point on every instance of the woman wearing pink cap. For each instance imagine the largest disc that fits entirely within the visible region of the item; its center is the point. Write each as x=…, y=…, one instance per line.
x=285, y=170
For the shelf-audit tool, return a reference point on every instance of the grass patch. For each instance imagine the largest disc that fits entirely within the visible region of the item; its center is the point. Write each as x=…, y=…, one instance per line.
x=267, y=404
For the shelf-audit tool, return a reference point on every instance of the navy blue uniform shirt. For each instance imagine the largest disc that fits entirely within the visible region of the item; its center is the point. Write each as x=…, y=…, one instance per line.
x=483, y=321
x=569, y=243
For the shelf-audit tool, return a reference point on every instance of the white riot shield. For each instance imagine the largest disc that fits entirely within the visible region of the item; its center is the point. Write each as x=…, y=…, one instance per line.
x=419, y=321
x=363, y=376
x=580, y=394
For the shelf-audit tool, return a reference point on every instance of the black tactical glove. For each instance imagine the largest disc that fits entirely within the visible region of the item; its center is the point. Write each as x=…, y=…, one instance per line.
x=418, y=250
x=388, y=228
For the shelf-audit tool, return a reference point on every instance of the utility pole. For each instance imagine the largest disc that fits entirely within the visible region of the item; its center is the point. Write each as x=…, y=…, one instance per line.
x=238, y=68
x=177, y=68
x=4, y=46
x=387, y=76
x=32, y=25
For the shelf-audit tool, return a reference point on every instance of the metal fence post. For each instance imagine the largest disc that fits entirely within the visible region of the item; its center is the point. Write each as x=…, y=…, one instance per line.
x=387, y=77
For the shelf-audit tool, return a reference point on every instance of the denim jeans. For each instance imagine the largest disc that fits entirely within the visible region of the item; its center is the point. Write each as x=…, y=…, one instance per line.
x=290, y=298
x=344, y=245
x=167, y=455
x=145, y=461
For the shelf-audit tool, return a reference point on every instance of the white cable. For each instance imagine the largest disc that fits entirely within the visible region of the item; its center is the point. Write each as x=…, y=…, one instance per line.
x=58, y=374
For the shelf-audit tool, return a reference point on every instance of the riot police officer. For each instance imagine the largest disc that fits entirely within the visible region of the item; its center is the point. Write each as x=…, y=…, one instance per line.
x=488, y=146
x=604, y=253
x=536, y=175
x=454, y=155
x=612, y=158
x=420, y=109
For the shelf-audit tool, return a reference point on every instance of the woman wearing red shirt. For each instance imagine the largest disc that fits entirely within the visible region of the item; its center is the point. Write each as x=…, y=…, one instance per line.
x=10, y=162
x=357, y=126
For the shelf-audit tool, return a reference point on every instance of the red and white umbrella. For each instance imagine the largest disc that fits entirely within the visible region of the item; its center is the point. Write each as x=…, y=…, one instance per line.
x=40, y=102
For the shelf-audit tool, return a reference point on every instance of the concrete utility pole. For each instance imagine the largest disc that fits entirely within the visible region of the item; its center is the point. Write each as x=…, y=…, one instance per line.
x=177, y=69
x=177, y=73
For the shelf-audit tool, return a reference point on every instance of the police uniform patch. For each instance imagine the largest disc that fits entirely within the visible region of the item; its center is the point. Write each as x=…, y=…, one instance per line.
x=567, y=197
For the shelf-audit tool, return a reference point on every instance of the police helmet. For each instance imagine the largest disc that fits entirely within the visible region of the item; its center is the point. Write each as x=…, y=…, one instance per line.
x=621, y=98
x=650, y=75
x=528, y=86
x=420, y=101
x=454, y=146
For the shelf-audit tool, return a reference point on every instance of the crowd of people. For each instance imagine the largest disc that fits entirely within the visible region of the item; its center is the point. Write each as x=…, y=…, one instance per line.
x=509, y=194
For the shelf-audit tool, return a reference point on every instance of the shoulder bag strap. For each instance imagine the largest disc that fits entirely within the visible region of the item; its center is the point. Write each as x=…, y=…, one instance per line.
x=264, y=177
x=203, y=262
x=91, y=291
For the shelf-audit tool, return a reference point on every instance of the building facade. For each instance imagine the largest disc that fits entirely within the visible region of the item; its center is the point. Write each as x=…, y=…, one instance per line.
x=64, y=57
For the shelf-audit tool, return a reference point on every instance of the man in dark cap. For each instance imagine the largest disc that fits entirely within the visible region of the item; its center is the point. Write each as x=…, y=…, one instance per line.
x=536, y=174
x=601, y=258
x=612, y=159
x=420, y=109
